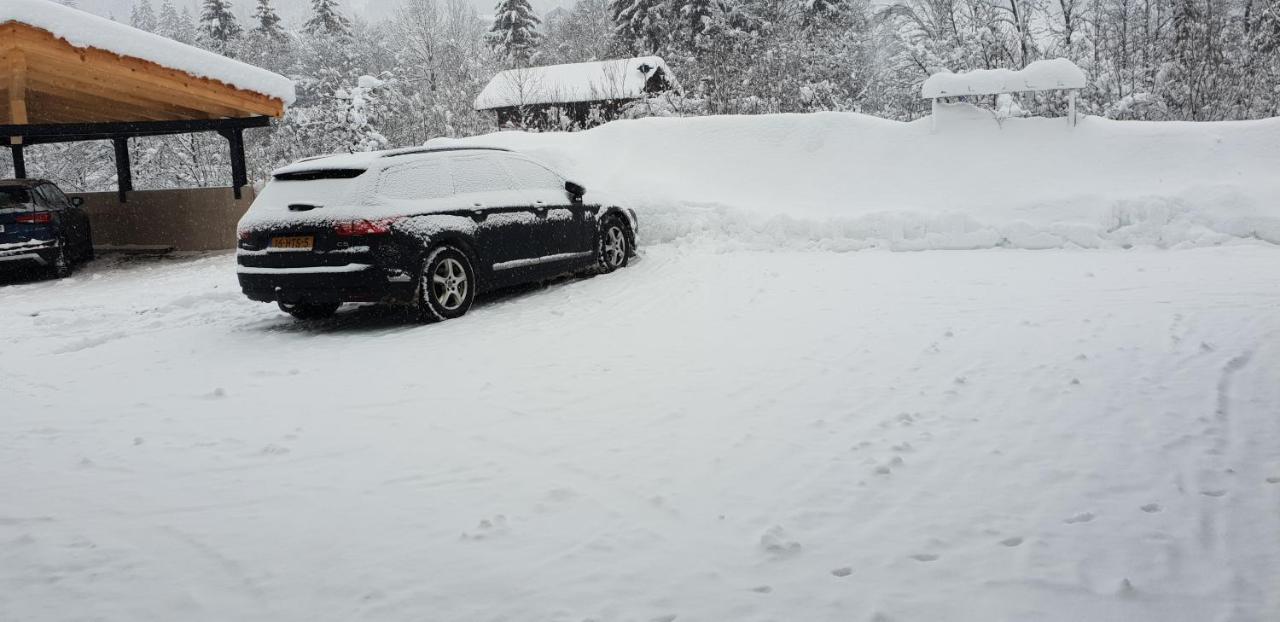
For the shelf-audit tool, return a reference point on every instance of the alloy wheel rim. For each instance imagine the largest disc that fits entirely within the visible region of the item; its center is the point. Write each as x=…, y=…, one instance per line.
x=615, y=246
x=449, y=284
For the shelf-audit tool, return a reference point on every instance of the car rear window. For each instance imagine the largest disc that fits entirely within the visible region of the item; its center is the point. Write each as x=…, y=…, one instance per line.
x=14, y=198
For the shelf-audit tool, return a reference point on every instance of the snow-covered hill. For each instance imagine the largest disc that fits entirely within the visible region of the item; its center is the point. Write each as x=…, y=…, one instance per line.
x=844, y=181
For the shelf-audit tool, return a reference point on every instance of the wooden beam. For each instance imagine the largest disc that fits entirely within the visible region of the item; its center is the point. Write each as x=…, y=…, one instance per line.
x=17, y=90
x=95, y=93
x=47, y=108
x=192, y=90
x=124, y=169
x=19, y=161
x=91, y=84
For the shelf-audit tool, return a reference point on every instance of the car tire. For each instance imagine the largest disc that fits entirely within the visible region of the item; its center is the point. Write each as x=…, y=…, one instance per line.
x=614, y=249
x=61, y=267
x=446, y=285
x=310, y=310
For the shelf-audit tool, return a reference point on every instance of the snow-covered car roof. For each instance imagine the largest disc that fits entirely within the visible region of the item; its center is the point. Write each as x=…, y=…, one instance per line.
x=578, y=82
x=1042, y=75
x=85, y=30
x=371, y=159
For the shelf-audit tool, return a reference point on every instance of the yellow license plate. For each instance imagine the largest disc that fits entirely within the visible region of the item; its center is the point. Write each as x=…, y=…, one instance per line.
x=294, y=242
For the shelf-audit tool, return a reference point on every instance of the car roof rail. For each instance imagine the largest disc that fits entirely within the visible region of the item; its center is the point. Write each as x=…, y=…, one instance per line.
x=421, y=150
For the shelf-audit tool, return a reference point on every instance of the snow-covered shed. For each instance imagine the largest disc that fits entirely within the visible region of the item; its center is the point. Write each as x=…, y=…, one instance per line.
x=67, y=75
x=573, y=96
x=1058, y=74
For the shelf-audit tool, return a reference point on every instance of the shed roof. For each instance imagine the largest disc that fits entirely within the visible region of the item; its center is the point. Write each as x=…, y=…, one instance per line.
x=62, y=65
x=579, y=82
x=1041, y=75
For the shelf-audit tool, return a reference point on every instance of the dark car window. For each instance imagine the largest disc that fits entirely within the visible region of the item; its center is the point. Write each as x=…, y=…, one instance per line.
x=14, y=198
x=419, y=180
x=528, y=175
x=44, y=199
x=57, y=195
x=479, y=174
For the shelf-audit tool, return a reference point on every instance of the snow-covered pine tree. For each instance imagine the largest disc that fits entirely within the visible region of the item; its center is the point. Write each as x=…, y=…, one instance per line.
x=218, y=25
x=697, y=16
x=642, y=26
x=514, y=34
x=326, y=19
x=144, y=16
x=268, y=21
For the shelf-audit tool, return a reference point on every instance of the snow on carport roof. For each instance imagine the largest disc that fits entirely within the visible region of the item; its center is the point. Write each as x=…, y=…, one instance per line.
x=85, y=30
x=578, y=82
x=1042, y=75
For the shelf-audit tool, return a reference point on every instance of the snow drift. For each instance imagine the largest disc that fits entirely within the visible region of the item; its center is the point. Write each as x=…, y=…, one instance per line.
x=847, y=181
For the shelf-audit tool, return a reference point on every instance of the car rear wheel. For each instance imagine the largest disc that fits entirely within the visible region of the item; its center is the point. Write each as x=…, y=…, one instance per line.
x=615, y=244
x=310, y=310
x=447, y=286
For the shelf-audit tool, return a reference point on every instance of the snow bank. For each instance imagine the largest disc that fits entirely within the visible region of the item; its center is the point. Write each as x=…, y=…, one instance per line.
x=85, y=30
x=1042, y=75
x=847, y=181
x=577, y=82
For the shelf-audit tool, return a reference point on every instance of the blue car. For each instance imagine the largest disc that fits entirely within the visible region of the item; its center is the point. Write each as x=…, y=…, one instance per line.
x=40, y=227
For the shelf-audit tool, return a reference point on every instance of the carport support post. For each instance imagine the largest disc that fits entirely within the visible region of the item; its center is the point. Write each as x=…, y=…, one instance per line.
x=19, y=161
x=124, y=172
x=239, y=172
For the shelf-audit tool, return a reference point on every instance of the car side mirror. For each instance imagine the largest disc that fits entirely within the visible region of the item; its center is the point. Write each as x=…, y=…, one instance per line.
x=77, y=201
x=575, y=190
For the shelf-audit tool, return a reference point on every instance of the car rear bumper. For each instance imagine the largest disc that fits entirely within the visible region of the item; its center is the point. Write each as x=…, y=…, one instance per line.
x=34, y=253
x=353, y=282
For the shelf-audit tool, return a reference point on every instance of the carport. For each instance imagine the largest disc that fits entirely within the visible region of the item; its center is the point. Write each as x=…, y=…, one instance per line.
x=68, y=76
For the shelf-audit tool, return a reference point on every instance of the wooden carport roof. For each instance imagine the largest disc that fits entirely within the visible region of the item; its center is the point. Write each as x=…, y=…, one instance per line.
x=47, y=80
x=53, y=91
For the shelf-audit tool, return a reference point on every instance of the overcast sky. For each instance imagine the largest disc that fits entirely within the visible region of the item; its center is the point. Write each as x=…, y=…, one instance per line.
x=294, y=11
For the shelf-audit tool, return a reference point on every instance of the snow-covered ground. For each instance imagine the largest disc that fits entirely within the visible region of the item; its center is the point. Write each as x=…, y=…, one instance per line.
x=715, y=433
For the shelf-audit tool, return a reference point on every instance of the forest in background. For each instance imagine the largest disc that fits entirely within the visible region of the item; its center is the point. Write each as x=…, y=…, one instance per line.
x=370, y=85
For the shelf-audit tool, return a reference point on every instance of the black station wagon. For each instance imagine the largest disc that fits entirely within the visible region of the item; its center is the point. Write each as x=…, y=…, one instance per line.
x=430, y=228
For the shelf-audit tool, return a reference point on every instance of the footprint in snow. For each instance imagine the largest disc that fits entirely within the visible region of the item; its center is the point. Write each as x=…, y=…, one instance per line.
x=842, y=572
x=1151, y=508
x=762, y=589
x=488, y=528
x=1274, y=479
x=1014, y=541
x=924, y=557
x=1082, y=517
x=1217, y=492
x=774, y=543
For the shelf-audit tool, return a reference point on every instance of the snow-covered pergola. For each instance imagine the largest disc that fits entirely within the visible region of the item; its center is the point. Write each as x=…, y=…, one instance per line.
x=1057, y=74
x=67, y=76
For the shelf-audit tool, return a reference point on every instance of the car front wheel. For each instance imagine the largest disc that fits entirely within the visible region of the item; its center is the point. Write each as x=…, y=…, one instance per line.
x=447, y=286
x=615, y=245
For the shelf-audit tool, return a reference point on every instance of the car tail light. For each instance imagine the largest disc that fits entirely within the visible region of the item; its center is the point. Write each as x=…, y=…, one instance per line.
x=37, y=218
x=245, y=235
x=364, y=227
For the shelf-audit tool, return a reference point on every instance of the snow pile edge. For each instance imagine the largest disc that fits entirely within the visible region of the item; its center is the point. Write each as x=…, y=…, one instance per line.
x=844, y=181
